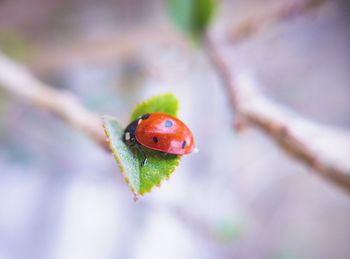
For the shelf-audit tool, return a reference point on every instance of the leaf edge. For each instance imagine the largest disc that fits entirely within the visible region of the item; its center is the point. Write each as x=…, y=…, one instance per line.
x=115, y=155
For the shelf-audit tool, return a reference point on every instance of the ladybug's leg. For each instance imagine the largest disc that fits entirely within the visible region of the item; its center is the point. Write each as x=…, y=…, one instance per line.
x=143, y=153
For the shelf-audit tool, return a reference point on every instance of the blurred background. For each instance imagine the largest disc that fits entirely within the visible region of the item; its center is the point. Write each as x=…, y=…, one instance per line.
x=241, y=196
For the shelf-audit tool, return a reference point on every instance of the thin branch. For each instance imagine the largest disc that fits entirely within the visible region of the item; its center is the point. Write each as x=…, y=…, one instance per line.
x=113, y=48
x=116, y=48
x=19, y=82
x=325, y=149
x=284, y=11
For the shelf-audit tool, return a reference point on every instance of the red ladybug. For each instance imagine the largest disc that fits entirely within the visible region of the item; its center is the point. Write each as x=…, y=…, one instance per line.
x=161, y=132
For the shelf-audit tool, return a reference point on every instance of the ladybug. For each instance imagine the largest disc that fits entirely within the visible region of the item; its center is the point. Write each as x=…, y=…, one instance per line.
x=161, y=132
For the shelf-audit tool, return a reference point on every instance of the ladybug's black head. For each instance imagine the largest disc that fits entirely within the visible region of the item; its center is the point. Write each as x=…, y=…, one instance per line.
x=130, y=130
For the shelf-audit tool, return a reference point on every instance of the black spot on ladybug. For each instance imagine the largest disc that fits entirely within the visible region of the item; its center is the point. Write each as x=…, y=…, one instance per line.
x=183, y=144
x=168, y=124
x=145, y=116
x=155, y=139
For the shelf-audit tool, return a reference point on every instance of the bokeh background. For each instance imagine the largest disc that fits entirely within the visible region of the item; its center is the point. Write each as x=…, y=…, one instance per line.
x=241, y=196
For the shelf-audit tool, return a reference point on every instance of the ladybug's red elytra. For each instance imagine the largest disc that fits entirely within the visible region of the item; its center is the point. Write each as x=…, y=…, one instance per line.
x=160, y=132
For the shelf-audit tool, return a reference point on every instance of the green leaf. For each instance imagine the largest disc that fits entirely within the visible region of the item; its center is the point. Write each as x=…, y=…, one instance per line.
x=166, y=103
x=142, y=179
x=192, y=16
